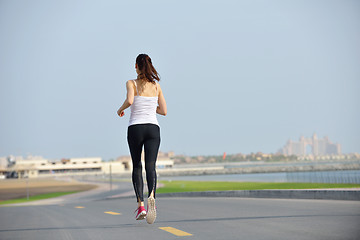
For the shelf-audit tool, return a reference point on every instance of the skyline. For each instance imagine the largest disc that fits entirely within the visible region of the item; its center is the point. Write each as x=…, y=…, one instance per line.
x=281, y=150
x=238, y=76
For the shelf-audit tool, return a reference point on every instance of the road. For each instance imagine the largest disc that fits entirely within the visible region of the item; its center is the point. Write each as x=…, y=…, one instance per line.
x=197, y=218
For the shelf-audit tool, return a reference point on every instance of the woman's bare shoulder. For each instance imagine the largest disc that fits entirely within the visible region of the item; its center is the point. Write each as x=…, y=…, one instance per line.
x=159, y=87
x=130, y=82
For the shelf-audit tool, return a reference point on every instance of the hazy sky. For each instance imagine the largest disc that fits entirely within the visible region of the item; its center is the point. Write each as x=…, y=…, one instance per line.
x=238, y=76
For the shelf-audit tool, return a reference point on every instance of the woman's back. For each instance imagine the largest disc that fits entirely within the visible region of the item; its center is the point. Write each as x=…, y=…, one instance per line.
x=145, y=88
x=143, y=109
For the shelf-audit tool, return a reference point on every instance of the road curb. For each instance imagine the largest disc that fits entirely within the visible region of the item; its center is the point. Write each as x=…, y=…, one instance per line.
x=353, y=195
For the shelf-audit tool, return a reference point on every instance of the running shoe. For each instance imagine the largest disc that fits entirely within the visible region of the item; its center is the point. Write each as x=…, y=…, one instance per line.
x=141, y=213
x=151, y=213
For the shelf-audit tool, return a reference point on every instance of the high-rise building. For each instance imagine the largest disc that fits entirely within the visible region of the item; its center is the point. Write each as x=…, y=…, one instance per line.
x=314, y=146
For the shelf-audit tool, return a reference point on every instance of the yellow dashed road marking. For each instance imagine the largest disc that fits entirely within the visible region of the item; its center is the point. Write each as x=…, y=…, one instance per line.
x=113, y=213
x=175, y=231
x=79, y=207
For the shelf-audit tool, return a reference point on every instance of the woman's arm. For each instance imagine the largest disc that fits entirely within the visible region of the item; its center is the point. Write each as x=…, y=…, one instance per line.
x=161, y=109
x=129, y=98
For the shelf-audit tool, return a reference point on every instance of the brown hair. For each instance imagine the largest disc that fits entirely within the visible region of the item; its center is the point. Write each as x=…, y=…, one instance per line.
x=147, y=70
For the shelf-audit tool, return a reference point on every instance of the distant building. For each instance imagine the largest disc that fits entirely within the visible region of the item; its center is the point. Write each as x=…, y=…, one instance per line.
x=37, y=166
x=314, y=146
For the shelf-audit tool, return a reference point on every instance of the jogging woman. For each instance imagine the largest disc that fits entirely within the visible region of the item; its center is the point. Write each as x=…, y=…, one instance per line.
x=145, y=97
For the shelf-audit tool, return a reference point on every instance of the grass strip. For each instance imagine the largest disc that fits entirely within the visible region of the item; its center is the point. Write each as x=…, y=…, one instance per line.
x=200, y=186
x=36, y=197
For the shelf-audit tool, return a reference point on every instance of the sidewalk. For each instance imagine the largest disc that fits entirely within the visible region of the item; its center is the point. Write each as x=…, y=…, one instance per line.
x=74, y=197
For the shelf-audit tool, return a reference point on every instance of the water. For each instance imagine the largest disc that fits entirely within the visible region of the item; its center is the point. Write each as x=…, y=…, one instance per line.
x=259, y=163
x=341, y=176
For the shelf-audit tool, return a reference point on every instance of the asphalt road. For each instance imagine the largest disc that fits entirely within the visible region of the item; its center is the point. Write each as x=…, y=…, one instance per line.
x=198, y=218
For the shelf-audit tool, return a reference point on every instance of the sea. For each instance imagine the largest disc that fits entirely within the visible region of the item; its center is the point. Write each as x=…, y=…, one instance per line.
x=340, y=176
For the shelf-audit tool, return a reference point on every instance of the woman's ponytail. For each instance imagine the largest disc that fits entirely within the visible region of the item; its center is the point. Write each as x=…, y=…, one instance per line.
x=146, y=68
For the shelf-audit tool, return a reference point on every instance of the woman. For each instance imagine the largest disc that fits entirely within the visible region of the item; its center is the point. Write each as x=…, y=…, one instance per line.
x=145, y=97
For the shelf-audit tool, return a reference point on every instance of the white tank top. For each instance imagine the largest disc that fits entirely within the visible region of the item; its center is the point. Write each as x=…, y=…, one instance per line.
x=143, y=109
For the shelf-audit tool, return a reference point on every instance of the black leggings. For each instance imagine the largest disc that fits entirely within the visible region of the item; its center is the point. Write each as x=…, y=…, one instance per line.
x=147, y=135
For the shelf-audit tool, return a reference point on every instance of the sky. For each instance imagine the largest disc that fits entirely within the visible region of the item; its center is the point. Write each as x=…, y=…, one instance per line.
x=238, y=76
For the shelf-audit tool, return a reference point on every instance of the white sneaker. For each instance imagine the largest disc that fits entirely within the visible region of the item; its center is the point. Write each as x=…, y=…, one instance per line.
x=151, y=211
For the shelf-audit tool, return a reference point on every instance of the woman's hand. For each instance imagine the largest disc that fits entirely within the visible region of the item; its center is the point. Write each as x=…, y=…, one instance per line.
x=120, y=113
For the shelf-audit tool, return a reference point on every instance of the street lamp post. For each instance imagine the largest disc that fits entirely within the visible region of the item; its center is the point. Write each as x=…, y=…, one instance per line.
x=110, y=178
